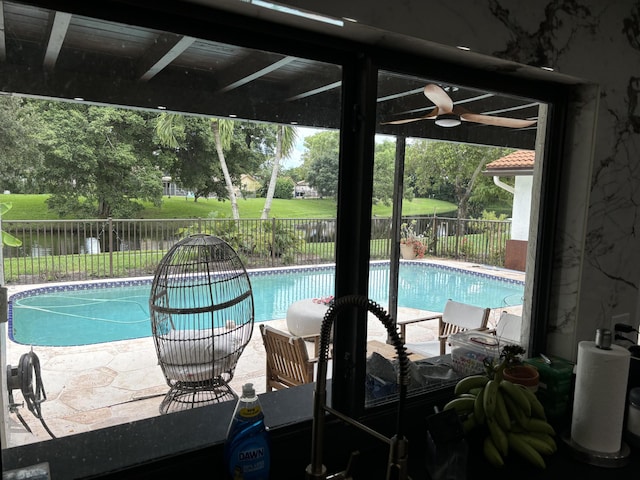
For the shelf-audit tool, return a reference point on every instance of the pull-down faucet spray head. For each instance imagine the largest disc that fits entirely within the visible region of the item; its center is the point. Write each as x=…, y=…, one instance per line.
x=398, y=445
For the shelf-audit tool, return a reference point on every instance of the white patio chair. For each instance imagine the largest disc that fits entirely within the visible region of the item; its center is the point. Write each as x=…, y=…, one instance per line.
x=509, y=327
x=456, y=317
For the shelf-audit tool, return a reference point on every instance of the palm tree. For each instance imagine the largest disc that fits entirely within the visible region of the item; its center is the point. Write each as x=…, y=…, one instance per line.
x=223, y=133
x=285, y=140
x=170, y=130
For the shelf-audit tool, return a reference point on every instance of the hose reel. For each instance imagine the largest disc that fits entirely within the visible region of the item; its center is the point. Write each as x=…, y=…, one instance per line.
x=21, y=377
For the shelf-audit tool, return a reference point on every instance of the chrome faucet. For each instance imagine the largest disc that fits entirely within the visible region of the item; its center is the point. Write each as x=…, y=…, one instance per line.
x=398, y=444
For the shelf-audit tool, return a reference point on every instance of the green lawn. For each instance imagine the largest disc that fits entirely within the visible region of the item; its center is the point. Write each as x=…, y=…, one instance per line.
x=33, y=207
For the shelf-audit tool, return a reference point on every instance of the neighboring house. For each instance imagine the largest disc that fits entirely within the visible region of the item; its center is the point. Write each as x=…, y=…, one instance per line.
x=303, y=190
x=171, y=189
x=249, y=186
x=518, y=164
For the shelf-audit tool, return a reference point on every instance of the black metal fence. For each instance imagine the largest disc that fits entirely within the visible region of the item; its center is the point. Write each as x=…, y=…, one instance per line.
x=71, y=250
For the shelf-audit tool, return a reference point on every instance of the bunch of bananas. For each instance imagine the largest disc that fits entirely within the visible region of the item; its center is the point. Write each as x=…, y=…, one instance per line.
x=512, y=417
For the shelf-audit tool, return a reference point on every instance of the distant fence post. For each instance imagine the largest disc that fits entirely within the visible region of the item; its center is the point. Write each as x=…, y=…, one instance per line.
x=110, y=247
x=273, y=242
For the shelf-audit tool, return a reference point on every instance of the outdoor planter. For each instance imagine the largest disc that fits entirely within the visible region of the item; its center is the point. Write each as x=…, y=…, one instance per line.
x=407, y=251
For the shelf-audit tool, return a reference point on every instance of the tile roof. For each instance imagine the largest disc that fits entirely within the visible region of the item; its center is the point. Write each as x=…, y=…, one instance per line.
x=518, y=160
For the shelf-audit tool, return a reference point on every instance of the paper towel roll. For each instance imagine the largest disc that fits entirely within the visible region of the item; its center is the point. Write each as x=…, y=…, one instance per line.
x=600, y=394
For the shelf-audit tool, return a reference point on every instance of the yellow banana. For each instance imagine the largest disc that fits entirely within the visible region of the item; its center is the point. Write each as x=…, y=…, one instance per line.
x=498, y=436
x=491, y=453
x=541, y=426
x=537, y=410
x=526, y=451
x=467, y=383
x=546, y=438
x=517, y=395
x=501, y=414
x=467, y=395
x=489, y=398
x=539, y=444
x=461, y=405
x=516, y=413
x=478, y=407
x=470, y=423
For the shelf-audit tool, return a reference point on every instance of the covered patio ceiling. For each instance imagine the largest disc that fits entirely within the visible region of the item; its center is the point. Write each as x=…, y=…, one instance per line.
x=68, y=56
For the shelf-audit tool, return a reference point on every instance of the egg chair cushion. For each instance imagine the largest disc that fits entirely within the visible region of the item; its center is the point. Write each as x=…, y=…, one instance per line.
x=197, y=355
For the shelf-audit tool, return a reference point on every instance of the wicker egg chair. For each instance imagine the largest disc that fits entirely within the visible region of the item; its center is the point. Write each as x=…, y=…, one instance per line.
x=202, y=315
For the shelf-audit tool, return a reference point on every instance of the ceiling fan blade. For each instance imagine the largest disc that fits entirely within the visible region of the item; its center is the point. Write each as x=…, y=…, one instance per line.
x=432, y=114
x=439, y=97
x=496, y=121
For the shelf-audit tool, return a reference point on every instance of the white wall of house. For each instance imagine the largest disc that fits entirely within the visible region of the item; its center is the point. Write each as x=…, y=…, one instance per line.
x=521, y=212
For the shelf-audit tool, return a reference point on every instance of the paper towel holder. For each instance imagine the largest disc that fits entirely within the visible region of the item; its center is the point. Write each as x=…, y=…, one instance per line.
x=592, y=457
x=600, y=459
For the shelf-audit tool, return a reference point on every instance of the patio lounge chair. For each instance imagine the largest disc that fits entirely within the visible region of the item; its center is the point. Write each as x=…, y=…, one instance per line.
x=288, y=361
x=456, y=317
x=509, y=327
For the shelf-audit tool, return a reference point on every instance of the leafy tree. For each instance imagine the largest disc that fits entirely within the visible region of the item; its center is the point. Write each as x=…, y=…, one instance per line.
x=321, y=160
x=485, y=193
x=383, y=174
x=284, y=188
x=21, y=160
x=321, y=166
x=189, y=142
x=450, y=168
x=99, y=160
x=196, y=142
x=297, y=174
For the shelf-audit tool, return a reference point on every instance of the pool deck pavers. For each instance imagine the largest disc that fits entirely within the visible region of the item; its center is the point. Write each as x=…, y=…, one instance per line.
x=96, y=386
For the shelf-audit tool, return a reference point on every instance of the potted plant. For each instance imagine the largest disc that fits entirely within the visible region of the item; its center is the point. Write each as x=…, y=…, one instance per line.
x=514, y=370
x=411, y=243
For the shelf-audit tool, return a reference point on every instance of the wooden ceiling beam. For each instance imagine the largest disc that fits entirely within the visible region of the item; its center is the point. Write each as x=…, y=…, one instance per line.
x=58, y=32
x=164, y=51
x=250, y=68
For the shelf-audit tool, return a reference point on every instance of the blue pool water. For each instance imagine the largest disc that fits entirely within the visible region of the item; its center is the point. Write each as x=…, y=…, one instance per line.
x=89, y=313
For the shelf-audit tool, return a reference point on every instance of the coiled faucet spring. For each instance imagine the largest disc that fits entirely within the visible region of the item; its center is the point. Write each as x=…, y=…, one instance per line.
x=398, y=445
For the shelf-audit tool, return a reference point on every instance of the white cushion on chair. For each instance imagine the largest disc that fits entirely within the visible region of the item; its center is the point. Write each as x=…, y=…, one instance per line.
x=188, y=355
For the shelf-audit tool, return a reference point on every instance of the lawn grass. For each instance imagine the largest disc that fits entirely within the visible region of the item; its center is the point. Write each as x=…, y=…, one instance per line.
x=33, y=207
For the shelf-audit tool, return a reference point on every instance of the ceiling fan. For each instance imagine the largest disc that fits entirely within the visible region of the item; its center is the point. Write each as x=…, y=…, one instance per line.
x=448, y=115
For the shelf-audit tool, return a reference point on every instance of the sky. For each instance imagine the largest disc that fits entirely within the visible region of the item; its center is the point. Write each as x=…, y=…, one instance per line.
x=295, y=159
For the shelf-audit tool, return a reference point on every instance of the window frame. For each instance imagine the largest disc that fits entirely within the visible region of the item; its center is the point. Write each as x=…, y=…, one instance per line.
x=360, y=63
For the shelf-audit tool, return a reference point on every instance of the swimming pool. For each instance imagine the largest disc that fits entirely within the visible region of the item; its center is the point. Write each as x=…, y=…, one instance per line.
x=99, y=312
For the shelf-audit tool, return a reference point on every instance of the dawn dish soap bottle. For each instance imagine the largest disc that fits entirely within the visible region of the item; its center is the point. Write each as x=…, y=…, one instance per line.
x=247, y=447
